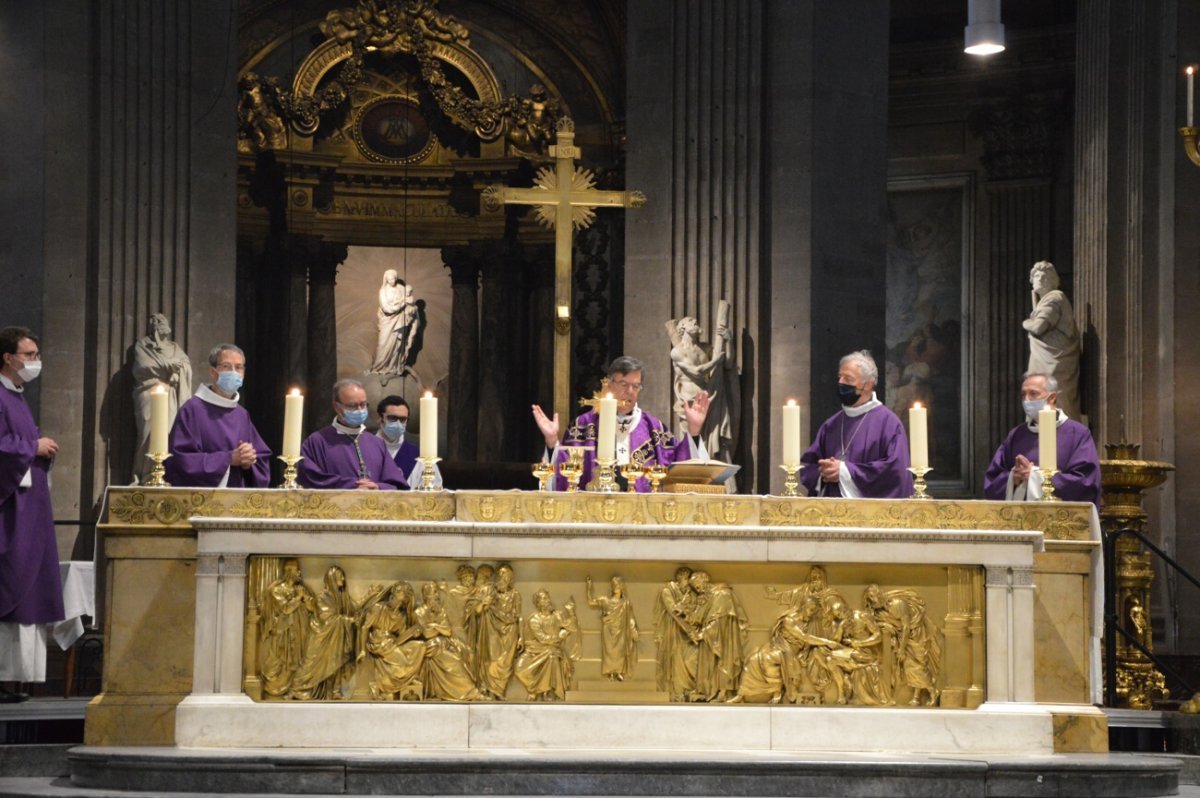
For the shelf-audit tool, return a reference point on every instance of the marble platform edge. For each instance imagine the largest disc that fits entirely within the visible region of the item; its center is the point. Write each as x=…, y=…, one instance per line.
x=500, y=772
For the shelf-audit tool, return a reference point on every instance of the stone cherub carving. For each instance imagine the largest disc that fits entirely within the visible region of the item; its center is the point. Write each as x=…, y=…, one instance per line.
x=260, y=126
x=1054, y=346
x=154, y=359
x=696, y=371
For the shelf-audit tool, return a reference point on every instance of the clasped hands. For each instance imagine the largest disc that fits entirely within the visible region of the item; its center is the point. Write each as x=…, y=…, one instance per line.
x=1021, y=469
x=243, y=456
x=831, y=469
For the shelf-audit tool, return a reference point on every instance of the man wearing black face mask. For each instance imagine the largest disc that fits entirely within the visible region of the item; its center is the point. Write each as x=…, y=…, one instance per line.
x=861, y=451
x=30, y=586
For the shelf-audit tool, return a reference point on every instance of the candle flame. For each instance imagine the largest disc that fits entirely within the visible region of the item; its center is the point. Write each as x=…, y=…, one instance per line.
x=608, y=395
x=294, y=392
x=916, y=405
x=160, y=388
x=1190, y=70
x=429, y=394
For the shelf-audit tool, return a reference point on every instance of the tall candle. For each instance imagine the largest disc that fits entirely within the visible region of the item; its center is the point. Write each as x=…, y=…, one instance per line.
x=293, y=416
x=1048, y=439
x=158, y=419
x=429, y=426
x=918, y=436
x=1191, y=98
x=791, y=433
x=606, y=438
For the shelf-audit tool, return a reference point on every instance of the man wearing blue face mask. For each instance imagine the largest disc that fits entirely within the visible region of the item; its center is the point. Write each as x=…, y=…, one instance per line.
x=213, y=443
x=392, y=414
x=341, y=456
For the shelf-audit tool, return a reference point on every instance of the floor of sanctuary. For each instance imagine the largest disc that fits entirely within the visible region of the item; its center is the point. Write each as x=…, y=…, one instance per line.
x=97, y=772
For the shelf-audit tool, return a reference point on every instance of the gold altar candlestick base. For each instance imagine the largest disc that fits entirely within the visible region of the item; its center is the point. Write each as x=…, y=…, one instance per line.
x=156, y=479
x=572, y=470
x=289, y=472
x=1189, y=143
x=919, y=483
x=606, y=476
x=656, y=474
x=631, y=474
x=428, y=464
x=542, y=472
x=791, y=484
x=1048, y=486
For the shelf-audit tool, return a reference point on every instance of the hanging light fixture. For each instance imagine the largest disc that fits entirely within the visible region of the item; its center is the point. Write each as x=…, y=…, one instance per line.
x=984, y=33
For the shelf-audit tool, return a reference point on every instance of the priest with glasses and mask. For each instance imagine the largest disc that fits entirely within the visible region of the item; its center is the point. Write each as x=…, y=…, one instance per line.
x=343, y=455
x=861, y=451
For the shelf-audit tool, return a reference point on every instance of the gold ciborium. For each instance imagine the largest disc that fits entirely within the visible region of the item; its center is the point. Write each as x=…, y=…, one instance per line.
x=656, y=474
x=572, y=469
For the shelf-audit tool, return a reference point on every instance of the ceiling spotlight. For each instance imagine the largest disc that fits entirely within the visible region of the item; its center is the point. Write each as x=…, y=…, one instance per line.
x=985, y=33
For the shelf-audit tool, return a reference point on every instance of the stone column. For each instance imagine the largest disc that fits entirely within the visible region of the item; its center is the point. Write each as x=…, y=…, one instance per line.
x=758, y=132
x=322, y=331
x=1010, y=660
x=462, y=435
x=495, y=349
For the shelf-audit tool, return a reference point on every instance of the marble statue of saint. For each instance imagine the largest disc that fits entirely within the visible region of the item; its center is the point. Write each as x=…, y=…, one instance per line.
x=399, y=324
x=618, y=630
x=546, y=666
x=329, y=652
x=288, y=606
x=1054, y=345
x=156, y=359
x=394, y=642
x=445, y=670
x=697, y=371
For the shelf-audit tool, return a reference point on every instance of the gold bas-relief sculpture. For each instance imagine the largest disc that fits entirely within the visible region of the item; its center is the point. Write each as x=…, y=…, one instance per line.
x=329, y=653
x=618, y=630
x=549, y=650
x=287, y=606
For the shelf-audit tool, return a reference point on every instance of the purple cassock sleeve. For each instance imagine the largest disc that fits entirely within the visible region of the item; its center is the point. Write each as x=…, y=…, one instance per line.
x=1078, y=478
x=30, y=585
x=875, y=453
x=331, y=462
x=649, y=443
x=202, y=442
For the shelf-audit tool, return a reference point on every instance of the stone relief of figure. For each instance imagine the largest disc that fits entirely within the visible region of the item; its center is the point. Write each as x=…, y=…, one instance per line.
x=546, y=666
x=696, y=371
x=499, y=634
x=329, y=655
x=288, y=606
x=392, y=640
x=1054, y=345
x=155, y=359
x=675, y=640
x=721, y=625
x=445, y=671
x=260, y=126
x=618, y=630
x=913, y=638
x=400, y=323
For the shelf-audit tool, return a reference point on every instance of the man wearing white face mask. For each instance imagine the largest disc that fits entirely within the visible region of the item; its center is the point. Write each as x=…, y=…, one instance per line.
x=340, y=456
x=30, y=586
x=1013, y=474
x=213, y=443
x=392, y=415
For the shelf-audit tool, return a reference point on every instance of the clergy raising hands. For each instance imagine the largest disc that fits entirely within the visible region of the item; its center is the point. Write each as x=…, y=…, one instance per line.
x=861, y=451
x=641, y=438
x=340, y=456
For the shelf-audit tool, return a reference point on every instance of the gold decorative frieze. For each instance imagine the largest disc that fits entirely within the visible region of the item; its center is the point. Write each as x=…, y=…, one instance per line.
x=160, y=506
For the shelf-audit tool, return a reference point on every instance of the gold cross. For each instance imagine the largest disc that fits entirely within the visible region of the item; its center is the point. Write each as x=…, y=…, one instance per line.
x=564, y=199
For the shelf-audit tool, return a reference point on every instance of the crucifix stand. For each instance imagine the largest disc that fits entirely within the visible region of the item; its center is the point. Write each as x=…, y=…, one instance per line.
x=564, y=199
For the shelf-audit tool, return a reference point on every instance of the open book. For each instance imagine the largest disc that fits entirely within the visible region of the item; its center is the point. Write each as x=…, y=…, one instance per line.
x=699, y=472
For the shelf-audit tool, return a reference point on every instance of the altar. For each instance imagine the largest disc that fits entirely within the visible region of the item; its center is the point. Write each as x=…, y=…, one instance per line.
x=802, y=625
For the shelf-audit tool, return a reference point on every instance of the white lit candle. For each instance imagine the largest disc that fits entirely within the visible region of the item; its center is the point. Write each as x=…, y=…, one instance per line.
x=606, y=438
x=429, y=426
x=918, y=436
x=1191, y=93
x=791, y=433
x=1048, y=439
x=293, y=416
x=158, y=419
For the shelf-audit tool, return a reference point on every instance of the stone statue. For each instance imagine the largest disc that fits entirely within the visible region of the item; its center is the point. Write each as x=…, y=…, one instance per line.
x=1054, y=346
x=287, y=607
x=329, y=653
x=549, y=651
x=156, y=359
x=696, y=371
x=618, y=630
x=400, y=322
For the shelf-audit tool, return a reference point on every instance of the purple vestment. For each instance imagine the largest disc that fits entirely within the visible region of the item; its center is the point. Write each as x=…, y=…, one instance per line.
x=30, y=585
x=874, y=448
x=332, y=463
x=406, y=456
x=202, y=441
x=1078, y=478
x=649, y=443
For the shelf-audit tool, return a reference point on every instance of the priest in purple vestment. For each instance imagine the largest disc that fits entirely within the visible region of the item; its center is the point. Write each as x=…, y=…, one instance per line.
x=30, y=586
x=213, y=443
x=392, y=415
x=861, y=451
x=1013, y=474
x=344, y=456
x=641, y=438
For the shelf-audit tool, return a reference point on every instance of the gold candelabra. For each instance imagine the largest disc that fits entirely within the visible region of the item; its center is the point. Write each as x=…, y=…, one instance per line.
x=428, y=472
x=791, y=482
x=656, y=474
x=606, y=476
x=289, y=472
x=542, y=472
x=158, y=473
x=1048, y=485
x=919, y=483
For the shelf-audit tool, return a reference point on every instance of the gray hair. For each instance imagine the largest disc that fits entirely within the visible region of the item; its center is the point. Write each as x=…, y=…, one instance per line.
x=1051, y=382
x=866, y=364
x=344, y=383
x=625, y=364
x=214, y=356
x=1045, y=268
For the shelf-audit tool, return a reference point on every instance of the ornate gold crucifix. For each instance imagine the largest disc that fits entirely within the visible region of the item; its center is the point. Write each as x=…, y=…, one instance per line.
x=564, y=199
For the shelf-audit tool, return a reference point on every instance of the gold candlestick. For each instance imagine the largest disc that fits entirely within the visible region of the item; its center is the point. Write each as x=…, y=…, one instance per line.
x=158, y=472
x=790, y=483
x=656, y=474
x=631, y=473
x=1048, y=485
x=289, y=472
x=919, y=483
x=572, y=470
x=543, y=471
x=605, y=476
x=1189, y=143
x=428, y=464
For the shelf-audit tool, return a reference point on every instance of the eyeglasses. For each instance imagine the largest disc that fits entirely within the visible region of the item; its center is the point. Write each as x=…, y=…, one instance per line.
x=401, y=419
x=240, y=368
x=35, y=354
x=627, y=386
x=355, y=406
